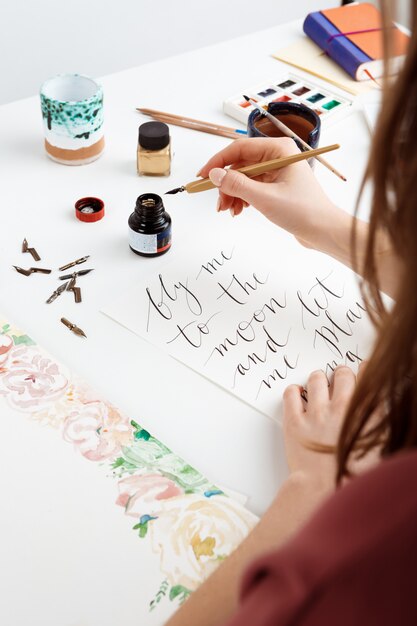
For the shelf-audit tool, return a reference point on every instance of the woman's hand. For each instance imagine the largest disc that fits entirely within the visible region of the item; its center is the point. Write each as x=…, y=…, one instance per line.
x=290, y=197
x=317, y=423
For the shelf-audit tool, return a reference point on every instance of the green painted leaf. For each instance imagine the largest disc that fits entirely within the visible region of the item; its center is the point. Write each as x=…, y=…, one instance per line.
x=160, y=594
x=142, y=434
x=23, y=340
x=5, y=328
x=143, y=530
x=180, y=592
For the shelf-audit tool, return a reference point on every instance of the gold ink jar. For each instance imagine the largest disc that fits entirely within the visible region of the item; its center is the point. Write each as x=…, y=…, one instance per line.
x=154, y=149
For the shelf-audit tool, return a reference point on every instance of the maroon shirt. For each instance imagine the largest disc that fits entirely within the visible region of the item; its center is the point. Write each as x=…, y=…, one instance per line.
x=353, y=564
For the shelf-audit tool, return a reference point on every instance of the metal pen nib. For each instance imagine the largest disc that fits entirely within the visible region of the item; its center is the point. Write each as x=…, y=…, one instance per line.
x=176, y=190
x=32, y=251
x=71, y=286
x=75, y=274
x=77, y=262
x=57, y=293
x=73, y=327
x=31, y=270
x=22, y=271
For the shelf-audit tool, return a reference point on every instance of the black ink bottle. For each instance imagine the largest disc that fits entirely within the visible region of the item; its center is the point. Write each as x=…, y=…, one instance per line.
x=149, y=226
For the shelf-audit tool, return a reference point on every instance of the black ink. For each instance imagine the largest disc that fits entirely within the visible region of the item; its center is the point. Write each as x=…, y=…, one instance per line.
x=258, y=316
x=329, y=369
x=350, y=316
x=348, y=332
x=326, y=291
x=270, y=307
x=330, y=339
x=324, y=288
x=350, y=357
x=212, y=266
x=202, y=328
x=245, y=287
x=161, y=306
x=271, y=345
x=277, y=375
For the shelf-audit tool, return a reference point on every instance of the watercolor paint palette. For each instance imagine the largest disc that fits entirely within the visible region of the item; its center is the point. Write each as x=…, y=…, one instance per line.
x=329, y=104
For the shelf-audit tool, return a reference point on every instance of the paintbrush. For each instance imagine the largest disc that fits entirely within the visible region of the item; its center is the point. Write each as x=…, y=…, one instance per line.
x=189, y=122
x=255, y=170
x=290, y=133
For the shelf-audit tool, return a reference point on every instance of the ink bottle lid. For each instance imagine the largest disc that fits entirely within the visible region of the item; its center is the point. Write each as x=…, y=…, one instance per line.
x=154, y=149
x=150, y=229
x=153, y=135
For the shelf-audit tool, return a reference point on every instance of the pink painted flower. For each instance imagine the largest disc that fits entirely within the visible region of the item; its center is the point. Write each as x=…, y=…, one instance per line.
x=139, y=495
x=97, y=430
x=32, y=380
x=6, y=344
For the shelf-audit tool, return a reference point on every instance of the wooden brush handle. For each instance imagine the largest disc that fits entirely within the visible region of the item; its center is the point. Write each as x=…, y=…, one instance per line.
x=182, y=118
x=260, y=168
x=196, y=126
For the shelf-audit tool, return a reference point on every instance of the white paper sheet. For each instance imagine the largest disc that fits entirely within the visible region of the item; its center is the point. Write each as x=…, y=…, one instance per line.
x=101, y=523
x=253, y=314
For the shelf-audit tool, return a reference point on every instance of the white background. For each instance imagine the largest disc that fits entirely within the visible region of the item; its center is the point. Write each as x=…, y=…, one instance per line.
x=96, y=37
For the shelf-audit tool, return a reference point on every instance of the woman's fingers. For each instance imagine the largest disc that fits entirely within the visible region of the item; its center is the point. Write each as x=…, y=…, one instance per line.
x=293, y=403
x=317, y=392
x=253, y=150
x=237, y=185
x=343, y=384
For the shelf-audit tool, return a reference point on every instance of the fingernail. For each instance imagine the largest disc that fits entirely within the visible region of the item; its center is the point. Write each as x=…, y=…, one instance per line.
x=232, y=212
x=216, y=176
x=199, y=172
x=218, y=204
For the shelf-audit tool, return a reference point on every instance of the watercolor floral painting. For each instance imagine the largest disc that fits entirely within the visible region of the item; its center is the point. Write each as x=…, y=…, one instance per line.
x=189, y=523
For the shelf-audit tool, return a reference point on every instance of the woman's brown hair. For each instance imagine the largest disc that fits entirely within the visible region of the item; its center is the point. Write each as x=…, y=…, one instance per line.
x=388, y=386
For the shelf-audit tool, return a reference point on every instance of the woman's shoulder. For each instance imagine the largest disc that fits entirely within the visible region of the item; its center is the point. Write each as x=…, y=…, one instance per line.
x=354, y=562
x=370, y=507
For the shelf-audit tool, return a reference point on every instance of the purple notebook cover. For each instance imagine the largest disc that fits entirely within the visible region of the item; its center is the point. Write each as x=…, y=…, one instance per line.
x=340, y=49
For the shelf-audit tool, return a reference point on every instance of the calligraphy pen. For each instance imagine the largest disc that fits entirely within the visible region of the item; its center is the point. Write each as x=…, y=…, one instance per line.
x=255, y=170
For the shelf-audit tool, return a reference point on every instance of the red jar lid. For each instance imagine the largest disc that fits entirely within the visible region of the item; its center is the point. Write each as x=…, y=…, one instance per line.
x=89, y=209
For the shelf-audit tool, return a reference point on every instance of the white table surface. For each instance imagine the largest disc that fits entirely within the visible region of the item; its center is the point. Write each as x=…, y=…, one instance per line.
x=226, y=439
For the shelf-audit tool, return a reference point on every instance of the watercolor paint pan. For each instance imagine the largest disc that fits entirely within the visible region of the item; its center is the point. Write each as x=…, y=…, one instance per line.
x=328, y=102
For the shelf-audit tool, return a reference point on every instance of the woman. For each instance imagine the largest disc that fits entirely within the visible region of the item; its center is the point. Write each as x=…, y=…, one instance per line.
x=339, y=543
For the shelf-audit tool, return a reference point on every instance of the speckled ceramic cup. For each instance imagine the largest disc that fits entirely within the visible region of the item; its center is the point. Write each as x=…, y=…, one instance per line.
x=72, y=111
